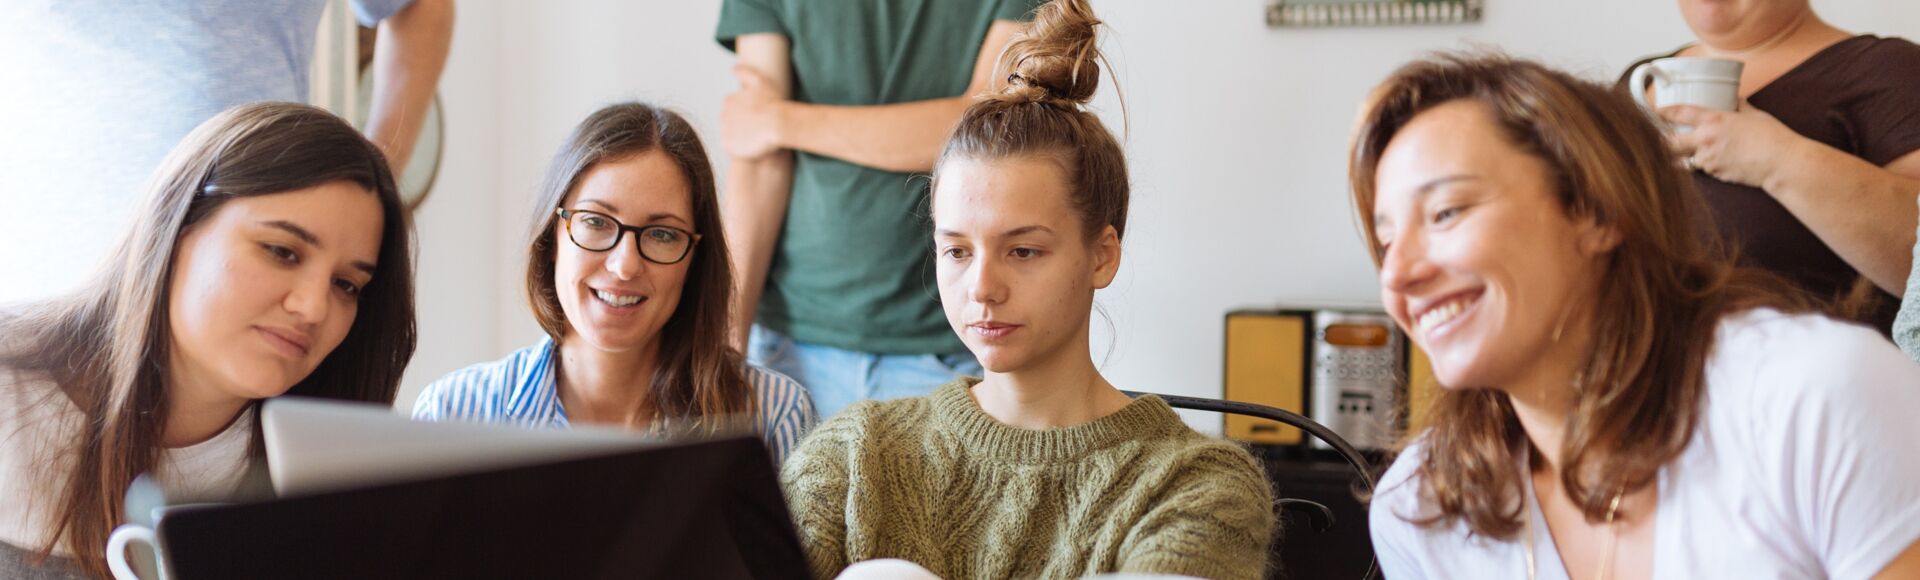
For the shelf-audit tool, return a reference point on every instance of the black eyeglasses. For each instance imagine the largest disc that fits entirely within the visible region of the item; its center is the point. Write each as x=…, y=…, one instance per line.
x=598, y=232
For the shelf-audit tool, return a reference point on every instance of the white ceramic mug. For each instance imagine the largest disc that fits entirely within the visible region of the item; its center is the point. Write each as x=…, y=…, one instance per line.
x=152, y=563
x=1711, y=83
x=127, y=536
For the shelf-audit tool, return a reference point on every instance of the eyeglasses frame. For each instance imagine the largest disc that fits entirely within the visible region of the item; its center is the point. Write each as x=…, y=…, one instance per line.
x=566, y=222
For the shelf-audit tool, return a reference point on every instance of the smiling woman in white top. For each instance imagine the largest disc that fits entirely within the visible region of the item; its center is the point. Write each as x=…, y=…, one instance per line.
x=1618, y=402
x=270, y=257
x=627, y=273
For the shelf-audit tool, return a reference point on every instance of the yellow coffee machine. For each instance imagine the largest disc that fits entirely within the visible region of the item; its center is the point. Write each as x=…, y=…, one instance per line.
x=1348, y=369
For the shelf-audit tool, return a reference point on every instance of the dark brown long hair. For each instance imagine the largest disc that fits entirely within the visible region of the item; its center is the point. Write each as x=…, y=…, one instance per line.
x=1051, y=72
x=700, y=375
x=107, y=345
x=1662, y=295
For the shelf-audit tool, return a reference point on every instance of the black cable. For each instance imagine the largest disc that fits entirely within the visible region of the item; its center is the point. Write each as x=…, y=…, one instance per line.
x=1321, y=432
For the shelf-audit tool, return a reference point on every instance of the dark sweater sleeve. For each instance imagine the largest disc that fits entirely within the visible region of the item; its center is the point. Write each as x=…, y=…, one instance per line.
x=816, y=479
x=1213, y=519
x=1886, y=111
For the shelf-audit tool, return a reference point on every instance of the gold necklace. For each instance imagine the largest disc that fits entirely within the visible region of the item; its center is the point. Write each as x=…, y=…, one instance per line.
x=1613, y=534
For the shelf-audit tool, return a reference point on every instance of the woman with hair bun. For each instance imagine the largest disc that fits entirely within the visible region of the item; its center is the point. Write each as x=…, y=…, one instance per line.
x=1041, y=468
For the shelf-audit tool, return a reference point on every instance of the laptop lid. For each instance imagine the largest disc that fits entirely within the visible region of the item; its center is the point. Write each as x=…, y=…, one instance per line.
x=317, y=445
x=702, y=509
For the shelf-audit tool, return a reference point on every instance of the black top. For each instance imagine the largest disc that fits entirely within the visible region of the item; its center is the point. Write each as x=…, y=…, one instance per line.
x=1861, y=96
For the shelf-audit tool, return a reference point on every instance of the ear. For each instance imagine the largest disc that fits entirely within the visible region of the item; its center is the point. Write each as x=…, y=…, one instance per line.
x=1596, y=239
x=1106, y=257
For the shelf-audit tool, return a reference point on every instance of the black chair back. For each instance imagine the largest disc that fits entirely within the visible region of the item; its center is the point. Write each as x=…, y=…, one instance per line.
x=1320, y=516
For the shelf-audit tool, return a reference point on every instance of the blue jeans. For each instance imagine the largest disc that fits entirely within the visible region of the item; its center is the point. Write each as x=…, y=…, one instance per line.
x=836, y=378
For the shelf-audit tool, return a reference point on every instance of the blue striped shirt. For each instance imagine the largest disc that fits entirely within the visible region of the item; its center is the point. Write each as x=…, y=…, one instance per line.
x=522, y=389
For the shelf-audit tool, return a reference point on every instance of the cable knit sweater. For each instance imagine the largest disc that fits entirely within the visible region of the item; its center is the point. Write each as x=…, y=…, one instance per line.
x=936, y=481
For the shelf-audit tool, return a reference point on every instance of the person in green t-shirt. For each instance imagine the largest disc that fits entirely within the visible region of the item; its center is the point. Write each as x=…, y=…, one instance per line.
x=840, y=105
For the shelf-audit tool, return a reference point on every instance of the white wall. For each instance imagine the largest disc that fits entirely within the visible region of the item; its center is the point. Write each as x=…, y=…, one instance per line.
x=1237, y=139
x=456, y=292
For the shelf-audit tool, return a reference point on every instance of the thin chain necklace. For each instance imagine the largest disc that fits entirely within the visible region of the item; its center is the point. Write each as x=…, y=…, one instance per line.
x=1613, y=533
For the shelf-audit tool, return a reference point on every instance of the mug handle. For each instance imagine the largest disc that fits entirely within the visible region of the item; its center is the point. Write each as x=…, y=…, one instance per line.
x=117, y=545
x=1637, y=82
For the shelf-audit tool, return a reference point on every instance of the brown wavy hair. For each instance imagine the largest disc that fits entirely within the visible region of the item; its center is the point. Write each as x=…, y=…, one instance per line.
x=700, y=375
x=1051, y=71
x=1663, y=292
x=106, y=345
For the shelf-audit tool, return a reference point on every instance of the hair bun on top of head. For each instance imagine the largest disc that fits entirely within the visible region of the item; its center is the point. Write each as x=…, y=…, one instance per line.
x=1054, y=61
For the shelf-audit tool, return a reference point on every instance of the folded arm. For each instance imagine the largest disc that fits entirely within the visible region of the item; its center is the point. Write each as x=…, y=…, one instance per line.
x=758, y=185
x=902, y=137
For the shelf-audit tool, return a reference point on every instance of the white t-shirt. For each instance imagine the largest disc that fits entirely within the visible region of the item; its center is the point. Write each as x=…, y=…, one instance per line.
x=37, y=426
x=1804, y=465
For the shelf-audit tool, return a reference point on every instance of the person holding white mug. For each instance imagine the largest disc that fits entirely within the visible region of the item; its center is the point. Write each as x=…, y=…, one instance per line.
x=1803, y=142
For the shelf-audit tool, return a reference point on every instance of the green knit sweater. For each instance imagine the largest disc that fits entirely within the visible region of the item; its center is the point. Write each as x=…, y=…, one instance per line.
x=936, y=481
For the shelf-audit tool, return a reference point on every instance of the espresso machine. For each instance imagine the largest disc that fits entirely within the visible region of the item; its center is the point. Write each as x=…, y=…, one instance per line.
x=1344, y=368
x=1359, y=361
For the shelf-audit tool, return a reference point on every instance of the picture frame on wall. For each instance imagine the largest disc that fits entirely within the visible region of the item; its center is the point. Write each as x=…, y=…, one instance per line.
x=1309, y=13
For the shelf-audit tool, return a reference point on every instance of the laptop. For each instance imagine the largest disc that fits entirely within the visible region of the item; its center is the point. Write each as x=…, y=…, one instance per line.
x=318, y=445
x=579, y=504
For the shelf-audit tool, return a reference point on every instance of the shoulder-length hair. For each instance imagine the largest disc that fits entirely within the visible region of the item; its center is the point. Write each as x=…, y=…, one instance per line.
x=1661, y=296
x=107, y=344
x=700, y=376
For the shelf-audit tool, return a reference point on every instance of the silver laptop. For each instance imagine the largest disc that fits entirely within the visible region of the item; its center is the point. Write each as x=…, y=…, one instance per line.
x=316, y=445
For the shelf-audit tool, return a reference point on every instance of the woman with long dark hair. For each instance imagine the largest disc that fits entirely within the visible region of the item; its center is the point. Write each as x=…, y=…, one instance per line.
x=270, y=257
x=627, y=273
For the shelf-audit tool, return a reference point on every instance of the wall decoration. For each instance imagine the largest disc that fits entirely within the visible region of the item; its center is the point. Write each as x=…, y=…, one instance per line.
x=1295, y=13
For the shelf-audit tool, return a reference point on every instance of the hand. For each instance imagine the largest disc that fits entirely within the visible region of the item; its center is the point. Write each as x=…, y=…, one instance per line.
x=1743, y=147
x=750, y=118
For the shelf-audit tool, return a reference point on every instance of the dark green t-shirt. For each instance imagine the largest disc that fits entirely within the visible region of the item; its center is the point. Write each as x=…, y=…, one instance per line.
x=853, y=268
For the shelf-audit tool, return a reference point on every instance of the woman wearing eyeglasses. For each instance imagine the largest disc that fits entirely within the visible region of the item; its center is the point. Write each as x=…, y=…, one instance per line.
x=627, y=273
